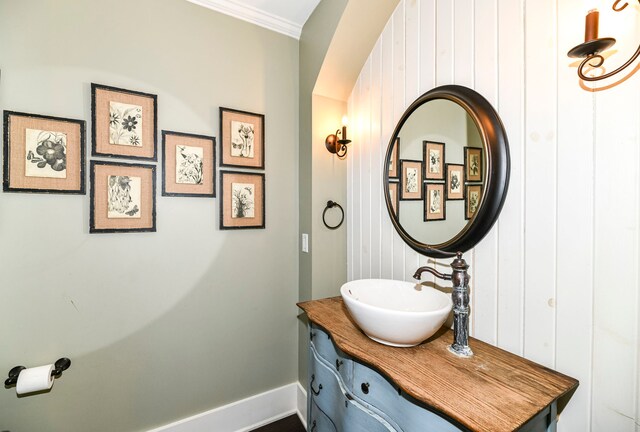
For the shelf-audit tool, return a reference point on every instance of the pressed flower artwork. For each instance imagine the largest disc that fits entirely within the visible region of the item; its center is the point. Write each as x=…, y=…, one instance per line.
x=242, y=200
x=411, y=179
x=123, y=195
x=242, y=139
x=243, y=196
x=46, y=154
x=455, y=181
x=434, y=206
x=189, y=165
x=473, y=162
x=472, y=203
x=433, y=154
x=43, y=154
x=125, y=124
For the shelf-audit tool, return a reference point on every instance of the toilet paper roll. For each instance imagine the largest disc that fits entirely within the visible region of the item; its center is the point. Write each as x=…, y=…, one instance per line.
x=35, y=379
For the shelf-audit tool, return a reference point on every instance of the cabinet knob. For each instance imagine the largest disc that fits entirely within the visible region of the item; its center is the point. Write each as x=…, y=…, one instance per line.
x=365, y=388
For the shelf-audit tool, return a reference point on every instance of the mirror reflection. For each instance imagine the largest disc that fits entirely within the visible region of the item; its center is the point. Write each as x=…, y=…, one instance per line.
x=437, y=169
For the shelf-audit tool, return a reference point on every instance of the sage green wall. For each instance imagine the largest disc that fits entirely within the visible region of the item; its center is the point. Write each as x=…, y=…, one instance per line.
x=315, y=39
x=159, y=326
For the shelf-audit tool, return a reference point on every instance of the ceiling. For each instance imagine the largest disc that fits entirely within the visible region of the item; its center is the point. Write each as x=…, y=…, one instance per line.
x=283, y=16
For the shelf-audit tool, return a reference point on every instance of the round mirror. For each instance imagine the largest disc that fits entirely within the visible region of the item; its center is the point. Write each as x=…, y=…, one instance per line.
x=446, y=171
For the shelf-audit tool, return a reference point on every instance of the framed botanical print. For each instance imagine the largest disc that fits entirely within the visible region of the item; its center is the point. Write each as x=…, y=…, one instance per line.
x=43, y=154
x=242, y=139
x=434, y=202
x=433, y=156
x=472, y=200
x=394, y=197
x=473, y=163
x=189, y=165
x=242, y=200
x=123, y=197
x=410, y=179
x=455, y=181
x=394, y=171
x=124, y=123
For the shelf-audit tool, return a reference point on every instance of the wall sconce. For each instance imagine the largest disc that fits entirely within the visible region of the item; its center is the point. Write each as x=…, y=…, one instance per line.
x=339, y=146
x=592, y=46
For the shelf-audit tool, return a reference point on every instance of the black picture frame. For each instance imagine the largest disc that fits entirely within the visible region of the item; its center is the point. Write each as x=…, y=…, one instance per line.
x=93, y=219
x=227, y=159
x=411, y=196
x=8, y=174
x=451, y=196
x=468, y=196
x=425, y=157
x=123, y=152
x=427, y=202
x=226, y=200
x=469, y=175
x=172, y=190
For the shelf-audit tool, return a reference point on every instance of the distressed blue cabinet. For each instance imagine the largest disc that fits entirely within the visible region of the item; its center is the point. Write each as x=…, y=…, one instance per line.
x=357, y=385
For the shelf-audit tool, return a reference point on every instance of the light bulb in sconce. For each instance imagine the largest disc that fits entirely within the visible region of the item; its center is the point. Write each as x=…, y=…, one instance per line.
x=338, y=146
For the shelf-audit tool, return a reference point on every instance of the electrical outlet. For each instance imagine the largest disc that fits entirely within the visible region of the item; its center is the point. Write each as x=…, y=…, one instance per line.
x=305, y=243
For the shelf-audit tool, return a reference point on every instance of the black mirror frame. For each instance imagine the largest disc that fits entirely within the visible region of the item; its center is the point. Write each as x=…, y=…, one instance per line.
x=496, y=145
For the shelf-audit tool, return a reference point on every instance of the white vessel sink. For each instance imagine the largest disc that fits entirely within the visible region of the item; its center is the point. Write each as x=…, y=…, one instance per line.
x=396, y=313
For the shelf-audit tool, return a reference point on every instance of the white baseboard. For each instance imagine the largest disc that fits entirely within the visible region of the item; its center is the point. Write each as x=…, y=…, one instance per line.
x=302, y=405
x=246, y=414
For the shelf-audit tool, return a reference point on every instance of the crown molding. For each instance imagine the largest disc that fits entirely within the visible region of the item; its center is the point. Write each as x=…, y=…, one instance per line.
x=253, y=15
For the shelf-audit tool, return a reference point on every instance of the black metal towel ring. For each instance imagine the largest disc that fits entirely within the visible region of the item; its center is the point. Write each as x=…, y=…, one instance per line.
x=332, y=204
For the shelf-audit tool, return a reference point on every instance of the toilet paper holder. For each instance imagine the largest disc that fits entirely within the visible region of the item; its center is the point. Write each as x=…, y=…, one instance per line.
x=60, y=366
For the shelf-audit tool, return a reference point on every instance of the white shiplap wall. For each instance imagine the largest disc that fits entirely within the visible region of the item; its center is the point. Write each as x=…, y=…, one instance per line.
x=556, y=280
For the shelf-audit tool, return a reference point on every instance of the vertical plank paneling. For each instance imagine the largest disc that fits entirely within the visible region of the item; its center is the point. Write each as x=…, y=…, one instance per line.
x=485, y=286
x=386, y=129
x=364, y=141
x=376, y=145
x=540, y=188
x=574, y=225
x=556, y=280
x=398, y=108
x=510, y=306
x=351, y=220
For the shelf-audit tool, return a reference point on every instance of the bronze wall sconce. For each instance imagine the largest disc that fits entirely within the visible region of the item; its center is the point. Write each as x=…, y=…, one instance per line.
x=592, y=46
x=335, y=145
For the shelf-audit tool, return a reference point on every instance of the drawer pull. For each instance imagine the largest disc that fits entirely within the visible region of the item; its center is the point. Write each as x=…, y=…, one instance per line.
x=338, y=364
x=311, y=335
x=313, y=378
x=313, y=427
x=365, y=388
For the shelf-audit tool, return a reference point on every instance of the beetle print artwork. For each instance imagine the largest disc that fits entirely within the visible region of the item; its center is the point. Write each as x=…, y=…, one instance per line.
x=46, y=154
x=242, y=135
x=125, y=124
x=123, y=196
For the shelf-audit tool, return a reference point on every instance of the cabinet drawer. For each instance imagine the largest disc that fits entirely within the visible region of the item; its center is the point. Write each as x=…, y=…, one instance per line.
x=331, y=354
x=345, y=414
x=318, y=421
x=375, y=391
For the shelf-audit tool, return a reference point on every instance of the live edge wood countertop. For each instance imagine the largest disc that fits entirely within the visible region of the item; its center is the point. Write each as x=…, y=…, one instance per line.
x=492, y=391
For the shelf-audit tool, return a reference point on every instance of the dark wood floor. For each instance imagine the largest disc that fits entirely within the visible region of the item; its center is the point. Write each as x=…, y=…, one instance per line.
x=287, y=424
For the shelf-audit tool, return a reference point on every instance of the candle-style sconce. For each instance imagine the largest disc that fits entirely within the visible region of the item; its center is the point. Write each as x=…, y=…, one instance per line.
x=339, y=146
x=592, y=46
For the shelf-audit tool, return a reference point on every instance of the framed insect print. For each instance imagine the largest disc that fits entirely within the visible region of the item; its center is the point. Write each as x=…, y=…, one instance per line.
x=394, y=197
x=241, y=139
x=43, y=154
x=242, y=200
x=455, y=181
x=123, y=197
x=394, y=171
x=473, y=163
x=124, y=123
x=472, y=200
x=189, y=165
x=410, y=179
x=433, y=156
x=434, y=202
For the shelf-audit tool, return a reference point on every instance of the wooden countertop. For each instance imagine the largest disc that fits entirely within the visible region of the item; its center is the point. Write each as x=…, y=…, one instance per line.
x=492, y=391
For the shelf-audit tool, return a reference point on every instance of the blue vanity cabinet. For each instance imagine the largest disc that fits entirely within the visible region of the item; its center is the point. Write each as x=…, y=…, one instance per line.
x=358, y=385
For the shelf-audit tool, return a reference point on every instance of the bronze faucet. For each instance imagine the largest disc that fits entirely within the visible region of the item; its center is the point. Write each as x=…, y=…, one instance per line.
x=460, y=296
